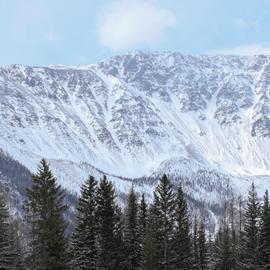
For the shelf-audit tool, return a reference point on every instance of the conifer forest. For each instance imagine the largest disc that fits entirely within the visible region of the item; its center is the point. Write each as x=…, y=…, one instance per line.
x=142, y=234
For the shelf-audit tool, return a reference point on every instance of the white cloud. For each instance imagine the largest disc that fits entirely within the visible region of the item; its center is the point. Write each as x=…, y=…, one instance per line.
x=248, y=49
x=124, y=24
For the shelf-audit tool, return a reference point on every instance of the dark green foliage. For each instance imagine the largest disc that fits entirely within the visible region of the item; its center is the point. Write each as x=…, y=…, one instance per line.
x=109, y=224
x=234, y=235
x=250, y=238
x=223, y=250
x=120, y=248
x=224, y=246
x=16, y=245
x=195, y=244
x=163, y=216
x=151, y=261
x=46, y=214
x=264, y=234
x=84, y=238
x=143, y=225
x=202, y=248
x=182, y=243
x=10, y=247
x=6, y=252
x=239, y=249
x=150, y=252
x=143, y=214
x=132, y=236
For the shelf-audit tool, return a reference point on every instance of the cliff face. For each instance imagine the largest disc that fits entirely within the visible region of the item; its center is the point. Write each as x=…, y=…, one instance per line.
x=140, y=115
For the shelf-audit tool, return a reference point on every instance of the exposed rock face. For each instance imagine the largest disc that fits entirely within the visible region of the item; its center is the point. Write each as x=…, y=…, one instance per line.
x=139, y=114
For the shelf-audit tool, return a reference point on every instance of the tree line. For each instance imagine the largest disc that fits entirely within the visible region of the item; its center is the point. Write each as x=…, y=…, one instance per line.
x=160, y=235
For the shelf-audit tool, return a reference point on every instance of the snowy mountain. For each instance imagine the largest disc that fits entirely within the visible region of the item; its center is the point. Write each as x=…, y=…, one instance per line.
x=136, y=116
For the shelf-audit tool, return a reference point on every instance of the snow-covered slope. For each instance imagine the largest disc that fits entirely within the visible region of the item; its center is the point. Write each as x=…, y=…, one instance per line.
x=140, y=115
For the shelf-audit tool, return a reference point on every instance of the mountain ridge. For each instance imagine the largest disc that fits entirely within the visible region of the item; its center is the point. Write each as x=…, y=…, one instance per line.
x=140, y=115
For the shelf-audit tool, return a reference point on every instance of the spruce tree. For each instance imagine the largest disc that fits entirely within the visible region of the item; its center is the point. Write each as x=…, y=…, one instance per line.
x=16, y=245
x=164, y=217
x=233, y=235
x=132, y=233
x=150, y=253
x=264, y=238
x=211, y=251
x=109, y=223
x=143, y=225
x=150, y=249
x=251, y=232
x=225, y=241
x=143, y=214
x=120, y=247
x=195, y=244
x=182, y=239
x=46, y=210
x=223, y=252
x=84, y=238
x=239, y=249
x=202, y=248
x=6, y=252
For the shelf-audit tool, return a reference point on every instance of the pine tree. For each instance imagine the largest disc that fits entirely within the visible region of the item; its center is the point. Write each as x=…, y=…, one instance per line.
x=164, y=217
x=150, y=249
x=150, y=253
x=120, y=248
x=251, y=231
x=84, y=238
x=195, y=244
x=264, y=244
x=182, y=239
x=108, y=227
x=16, y=246
x=223, y=252
x=132, y=233
x=46, y=210
x=210, y=246
x=143, y=214
x=6, y=253
x=143, y=225
x=202, y=248
x=233, y=235
x=239, y=249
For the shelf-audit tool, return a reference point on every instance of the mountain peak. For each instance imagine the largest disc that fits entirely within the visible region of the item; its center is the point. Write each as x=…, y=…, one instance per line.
x=129, y=114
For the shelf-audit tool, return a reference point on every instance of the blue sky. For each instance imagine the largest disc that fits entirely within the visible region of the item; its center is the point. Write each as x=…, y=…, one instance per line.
x=43, y=32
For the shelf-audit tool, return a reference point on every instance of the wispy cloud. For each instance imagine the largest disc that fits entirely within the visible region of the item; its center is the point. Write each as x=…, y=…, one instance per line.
x=248, y=49
x=124, y=24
